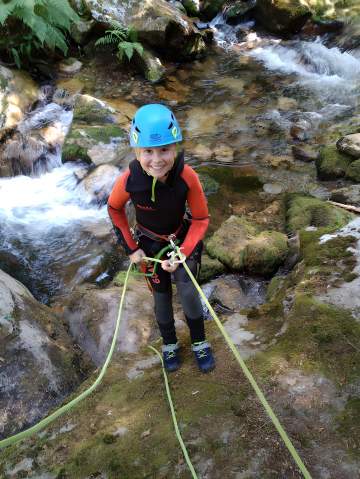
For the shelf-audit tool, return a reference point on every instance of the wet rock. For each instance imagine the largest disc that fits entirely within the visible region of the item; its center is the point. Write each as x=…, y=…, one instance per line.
x=349, y=195
x=304, y=153
x=38, y=365
x=210, y=8
x=99, y=183
x=210, y=268
x=277, y=161
x=88, y=109
x=192, y=7
x=331, y=164
x=305, y=211
x=282, y=16
x=80, y=30
x=70, y=66
x=273, y=188
x=202, y=121
x=159, y=24
x=300, y=130
x=150, y=65
x=353, y=171
x=91, y=314
x=238, y=9
x=286, y=103
x=350, y=144
x=224, y=153
x=202, y=151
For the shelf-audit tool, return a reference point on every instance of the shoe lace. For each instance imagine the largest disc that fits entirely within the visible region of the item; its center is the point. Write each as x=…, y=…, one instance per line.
x=202, y=353
x=170, y=354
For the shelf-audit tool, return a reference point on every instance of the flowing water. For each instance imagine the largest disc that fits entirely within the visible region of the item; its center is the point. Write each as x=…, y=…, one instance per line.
x=246, y=97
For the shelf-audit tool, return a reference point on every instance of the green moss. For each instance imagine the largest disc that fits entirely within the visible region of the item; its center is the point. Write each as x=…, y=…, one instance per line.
x=234, y=178
x=348, y=424
x=304, y=211
x=265, y=253
x=318, y=338
x=274, y=286
x=209, y=184
x=210, y=268
x=353, y=171
x=73, y=152
x=104, y=133
x=92, y=113
x=331, y=163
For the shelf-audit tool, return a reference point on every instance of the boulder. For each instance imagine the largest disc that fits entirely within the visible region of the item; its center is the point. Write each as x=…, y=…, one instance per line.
x=265, y=253
x=99, y=183
x=238, y=9
x=307, y=211
x=353, y=171
x=210, y=267
x=94, y=137
x=17, y=93
x=210, y=8
x=70, y=66
x=160, y=24
x=350, y=144
x=39, y=363
x=240, y=246
x=331, y=164
x=349, y=195
x=150, y=65
x=192, y=7
x=282, y=16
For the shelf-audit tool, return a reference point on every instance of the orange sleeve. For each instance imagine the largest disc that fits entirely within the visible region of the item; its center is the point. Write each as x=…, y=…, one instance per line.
x=198, y=208
x=116, y=208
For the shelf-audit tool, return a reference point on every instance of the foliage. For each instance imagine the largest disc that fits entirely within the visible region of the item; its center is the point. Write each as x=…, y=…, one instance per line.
x=38, y=23
x=124, y=39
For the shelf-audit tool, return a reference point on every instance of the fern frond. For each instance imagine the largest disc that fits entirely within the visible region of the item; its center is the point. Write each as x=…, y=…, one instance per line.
x=16, y=57
x=106, y=40
x=6, y=9
x=132, y=35
x=139, y=48
x=56, y=39
x=127, y=48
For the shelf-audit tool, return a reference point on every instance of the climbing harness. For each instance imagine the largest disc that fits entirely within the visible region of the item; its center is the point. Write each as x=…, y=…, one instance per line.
x=172, y=254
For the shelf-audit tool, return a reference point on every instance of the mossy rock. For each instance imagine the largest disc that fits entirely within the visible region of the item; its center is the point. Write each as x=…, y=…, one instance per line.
x=282, y=16
x=331, y=163
x=274, y=286
x=304, y=211
x=191, y=7
x=265, y=253
x=88, y=109
x=210, y=8
x=210, y=268
x=353, y=171
x=228, y=243
x=74, y=152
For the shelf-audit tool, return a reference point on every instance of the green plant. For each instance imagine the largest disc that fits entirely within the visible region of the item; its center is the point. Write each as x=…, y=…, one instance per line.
x=125, y=40
x=38, y=24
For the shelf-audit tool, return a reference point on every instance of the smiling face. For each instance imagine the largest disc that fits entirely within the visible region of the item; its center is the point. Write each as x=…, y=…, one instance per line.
x=157, y=161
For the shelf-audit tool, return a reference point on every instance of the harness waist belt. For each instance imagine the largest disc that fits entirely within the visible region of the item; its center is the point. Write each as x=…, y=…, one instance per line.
x=155, y=236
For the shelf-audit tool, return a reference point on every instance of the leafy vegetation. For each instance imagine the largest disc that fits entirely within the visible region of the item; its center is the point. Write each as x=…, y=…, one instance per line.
x=124, y=39
x=38, y=24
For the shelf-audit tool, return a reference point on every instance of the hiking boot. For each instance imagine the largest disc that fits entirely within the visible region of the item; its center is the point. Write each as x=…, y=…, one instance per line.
x=204, y=356
x=171, y=357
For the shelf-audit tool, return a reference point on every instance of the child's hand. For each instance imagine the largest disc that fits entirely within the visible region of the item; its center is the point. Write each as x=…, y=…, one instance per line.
x=137, y=256
x=168, y=267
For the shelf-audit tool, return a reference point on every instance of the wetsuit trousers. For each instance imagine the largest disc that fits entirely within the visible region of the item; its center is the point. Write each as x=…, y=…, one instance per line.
x=161, y=286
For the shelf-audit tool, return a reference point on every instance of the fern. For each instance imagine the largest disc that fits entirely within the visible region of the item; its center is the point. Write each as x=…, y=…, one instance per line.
x=124, y=39
x=46, y=21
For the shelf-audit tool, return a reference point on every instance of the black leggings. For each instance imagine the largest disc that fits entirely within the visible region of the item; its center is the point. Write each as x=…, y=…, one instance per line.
x=160, y=284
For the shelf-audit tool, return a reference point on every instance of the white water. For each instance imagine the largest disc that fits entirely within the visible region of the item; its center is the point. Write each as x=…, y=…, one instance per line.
x=332, y=74
x=52, y=199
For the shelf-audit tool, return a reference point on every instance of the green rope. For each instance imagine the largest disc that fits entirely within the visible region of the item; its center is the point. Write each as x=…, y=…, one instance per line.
x=173, y=414
x=49, y=419
x=153, y=189
x=249, y=376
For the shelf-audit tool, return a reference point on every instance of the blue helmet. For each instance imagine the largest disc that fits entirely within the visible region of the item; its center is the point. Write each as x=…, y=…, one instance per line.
x=154, y=125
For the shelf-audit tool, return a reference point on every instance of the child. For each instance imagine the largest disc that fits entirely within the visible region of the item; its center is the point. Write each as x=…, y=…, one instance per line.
x=159, y=185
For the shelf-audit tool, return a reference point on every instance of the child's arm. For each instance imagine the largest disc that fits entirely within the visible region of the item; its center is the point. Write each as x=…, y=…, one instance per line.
x=199, y=211
x=116, y=208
